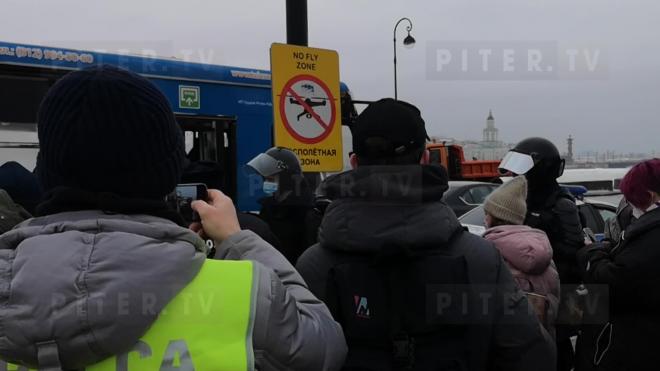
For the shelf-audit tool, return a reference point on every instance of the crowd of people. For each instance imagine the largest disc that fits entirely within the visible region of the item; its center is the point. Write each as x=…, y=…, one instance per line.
x=97, y=272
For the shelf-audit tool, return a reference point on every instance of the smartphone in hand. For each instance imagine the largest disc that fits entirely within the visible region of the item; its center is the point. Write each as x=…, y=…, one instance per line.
x=183, y=196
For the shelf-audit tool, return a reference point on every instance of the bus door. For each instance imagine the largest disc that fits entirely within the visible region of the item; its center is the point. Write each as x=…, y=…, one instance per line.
x=211, y=151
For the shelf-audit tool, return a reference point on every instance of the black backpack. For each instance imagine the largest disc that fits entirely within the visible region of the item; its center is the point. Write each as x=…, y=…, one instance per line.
x=403, y=310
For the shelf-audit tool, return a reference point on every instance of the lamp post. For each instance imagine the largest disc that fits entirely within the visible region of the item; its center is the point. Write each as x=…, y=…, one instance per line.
x=408, y=42
x=296, y=22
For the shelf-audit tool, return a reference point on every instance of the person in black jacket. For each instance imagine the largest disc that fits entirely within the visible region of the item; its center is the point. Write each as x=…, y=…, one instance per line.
x=596, y=317
x=289, y=205
x=552, y=210
x=629, y=340
x=400, y=273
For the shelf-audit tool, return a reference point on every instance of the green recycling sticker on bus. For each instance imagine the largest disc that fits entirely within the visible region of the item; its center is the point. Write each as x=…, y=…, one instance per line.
x=189, y=97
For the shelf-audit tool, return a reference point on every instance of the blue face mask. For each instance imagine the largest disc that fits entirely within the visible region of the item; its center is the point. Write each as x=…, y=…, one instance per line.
x=270, y=187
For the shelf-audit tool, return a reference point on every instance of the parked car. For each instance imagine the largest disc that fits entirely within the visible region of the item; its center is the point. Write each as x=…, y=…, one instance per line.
x=608, y=197
x=463, y=196
x=593, y=215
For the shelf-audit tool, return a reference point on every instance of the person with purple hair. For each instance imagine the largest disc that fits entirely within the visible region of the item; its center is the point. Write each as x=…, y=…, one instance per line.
x=630, y=339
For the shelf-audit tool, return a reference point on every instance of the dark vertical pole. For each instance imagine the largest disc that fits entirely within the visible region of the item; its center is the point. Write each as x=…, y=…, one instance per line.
x=296, y=22
x=409, y=28
x=296, y=34
x=395, y=92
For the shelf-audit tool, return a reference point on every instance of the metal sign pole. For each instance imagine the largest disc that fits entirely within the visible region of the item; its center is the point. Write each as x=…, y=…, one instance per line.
x=296, y=22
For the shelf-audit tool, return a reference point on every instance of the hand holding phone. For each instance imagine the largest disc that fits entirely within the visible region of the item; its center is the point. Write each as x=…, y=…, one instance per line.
x=589, y=236
x=183, y=197
x=218, y=216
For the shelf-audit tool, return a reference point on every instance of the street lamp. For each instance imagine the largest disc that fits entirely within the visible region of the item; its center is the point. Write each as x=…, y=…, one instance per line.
x=408, y=42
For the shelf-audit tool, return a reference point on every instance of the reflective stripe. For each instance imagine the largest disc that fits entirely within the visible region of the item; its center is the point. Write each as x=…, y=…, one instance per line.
x=206, y=327
x=4, y=366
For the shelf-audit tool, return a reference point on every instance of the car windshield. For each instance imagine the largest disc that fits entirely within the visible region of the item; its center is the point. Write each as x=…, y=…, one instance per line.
x=474, y=217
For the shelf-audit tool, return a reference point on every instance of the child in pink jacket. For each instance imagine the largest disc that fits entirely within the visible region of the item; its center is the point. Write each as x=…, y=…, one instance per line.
x=526, y=251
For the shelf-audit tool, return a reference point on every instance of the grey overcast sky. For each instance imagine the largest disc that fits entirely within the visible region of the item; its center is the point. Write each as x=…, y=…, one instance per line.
x=618, y=109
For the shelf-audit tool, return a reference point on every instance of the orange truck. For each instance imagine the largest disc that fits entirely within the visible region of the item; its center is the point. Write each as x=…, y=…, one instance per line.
x=451, y=156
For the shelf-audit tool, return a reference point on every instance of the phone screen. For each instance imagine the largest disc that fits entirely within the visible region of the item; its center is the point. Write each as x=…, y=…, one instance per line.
x=183, y=197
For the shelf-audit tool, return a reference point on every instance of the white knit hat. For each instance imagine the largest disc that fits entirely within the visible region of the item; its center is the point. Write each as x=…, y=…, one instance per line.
x=509, y=202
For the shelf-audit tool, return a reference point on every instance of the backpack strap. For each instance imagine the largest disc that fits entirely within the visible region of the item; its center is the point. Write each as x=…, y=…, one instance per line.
x=402, y=344
x=48, y=356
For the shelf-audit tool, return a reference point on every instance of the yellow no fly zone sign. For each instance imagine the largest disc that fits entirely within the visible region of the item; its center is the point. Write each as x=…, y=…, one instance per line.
x=306, y=105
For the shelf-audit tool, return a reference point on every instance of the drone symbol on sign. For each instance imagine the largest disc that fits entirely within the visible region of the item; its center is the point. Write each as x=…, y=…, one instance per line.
x=310, y=103
x=307, y=109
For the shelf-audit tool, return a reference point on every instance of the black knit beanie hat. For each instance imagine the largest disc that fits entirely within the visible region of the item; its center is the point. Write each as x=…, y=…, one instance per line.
x=105, y=129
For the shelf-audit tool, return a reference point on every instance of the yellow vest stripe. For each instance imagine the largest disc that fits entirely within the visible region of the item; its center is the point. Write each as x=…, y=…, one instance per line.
x=206, y=327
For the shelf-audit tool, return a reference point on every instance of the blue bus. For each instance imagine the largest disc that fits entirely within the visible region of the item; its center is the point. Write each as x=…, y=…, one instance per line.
x=225, y=112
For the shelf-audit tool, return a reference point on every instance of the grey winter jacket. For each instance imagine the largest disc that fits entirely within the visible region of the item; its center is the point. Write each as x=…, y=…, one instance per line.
x=61, y=275
x=376, y=208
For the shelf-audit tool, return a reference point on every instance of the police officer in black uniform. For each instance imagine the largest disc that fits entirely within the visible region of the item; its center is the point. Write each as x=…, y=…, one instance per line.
x=552, y=210
x=289, y=205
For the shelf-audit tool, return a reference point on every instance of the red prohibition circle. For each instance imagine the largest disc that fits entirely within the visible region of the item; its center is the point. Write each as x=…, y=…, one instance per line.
x=287, y=125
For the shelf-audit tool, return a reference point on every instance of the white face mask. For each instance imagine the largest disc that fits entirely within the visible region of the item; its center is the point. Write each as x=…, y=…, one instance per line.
x=270, y=188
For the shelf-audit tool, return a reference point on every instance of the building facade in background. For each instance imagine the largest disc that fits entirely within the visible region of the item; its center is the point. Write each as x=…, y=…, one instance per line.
x=490, y=147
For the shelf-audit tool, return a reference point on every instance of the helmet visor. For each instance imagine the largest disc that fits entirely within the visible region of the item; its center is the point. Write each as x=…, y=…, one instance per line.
x=266, y=165
x=517, y=163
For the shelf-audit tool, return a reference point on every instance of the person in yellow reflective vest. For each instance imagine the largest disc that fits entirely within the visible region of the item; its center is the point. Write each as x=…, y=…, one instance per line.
x=106, y=277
